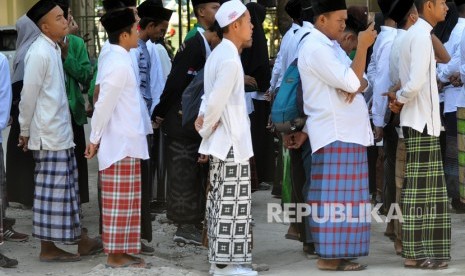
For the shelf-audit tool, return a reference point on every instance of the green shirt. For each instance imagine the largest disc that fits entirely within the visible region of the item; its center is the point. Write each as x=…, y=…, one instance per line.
x=77, y=71
x=193, y=31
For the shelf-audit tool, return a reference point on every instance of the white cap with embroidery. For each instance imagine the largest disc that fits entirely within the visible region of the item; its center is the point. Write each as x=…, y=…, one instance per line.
x=229, y=12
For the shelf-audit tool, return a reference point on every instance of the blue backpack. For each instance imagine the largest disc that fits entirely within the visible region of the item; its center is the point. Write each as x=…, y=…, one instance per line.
x=287, y=112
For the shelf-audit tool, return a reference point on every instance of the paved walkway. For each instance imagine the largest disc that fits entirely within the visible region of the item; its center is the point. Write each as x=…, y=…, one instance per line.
x=283, y=257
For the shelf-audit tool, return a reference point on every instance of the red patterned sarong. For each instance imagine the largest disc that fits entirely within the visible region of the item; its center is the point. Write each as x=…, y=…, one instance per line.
x=121, y=203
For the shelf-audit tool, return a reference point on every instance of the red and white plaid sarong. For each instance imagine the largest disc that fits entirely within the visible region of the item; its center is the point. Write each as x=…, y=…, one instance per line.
x=121, y=203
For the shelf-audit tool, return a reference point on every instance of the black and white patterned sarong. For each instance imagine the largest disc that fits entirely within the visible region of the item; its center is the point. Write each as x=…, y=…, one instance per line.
x=228, y=212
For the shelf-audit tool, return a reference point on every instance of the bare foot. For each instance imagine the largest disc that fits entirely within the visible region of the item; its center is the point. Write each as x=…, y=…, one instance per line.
x=88, y=246
x=339, y=265
x=122, y=259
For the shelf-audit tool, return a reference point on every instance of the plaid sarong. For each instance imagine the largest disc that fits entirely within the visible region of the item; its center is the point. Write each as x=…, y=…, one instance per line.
x=228, y=212
x=339, y=175
x=121, y=206
x=426, y=230
x=461, y=149
x=56, y=196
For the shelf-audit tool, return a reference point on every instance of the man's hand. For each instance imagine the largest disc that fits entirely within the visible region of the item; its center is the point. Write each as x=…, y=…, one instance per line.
x=367, y=37
x=295, y=140
x=379, y=134
x=455, y=80
x=199, y=124
x=267, y=95
x=157, y=123
x=202, y=159
x=349, y=96
x=250, y=81
x=394, y=105
x=91, y=151
x=22, y=143
x=64, y=45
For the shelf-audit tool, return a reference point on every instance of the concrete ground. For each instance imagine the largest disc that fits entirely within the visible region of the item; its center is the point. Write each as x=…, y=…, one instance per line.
x=281, y=256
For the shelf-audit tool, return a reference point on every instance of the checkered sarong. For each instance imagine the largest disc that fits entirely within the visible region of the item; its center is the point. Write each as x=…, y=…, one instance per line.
x=339, y=175
x=228, y=212
x=121, y=206
x=56, y=196
x=461, y=149
x=426, y=230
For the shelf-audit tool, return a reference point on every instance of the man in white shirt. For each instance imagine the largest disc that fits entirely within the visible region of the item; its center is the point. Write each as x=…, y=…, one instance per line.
x=405, y=17
x=378, y=74
x=426, y=239
x=153, y=24
x=119, y=132
x=225, y=132
x=293, y=9
x=5, y=105
x=449, y=76
x=296, y=230
x=461, y=122
x=45, y=123
x=339, y=130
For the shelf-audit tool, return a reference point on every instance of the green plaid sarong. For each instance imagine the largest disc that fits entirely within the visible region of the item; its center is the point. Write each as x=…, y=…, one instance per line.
x=426, y=231
x=461, y=149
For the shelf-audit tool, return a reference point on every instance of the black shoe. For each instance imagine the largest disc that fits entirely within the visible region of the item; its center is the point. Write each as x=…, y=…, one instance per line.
x=458, y=205
x=146, y=250
x=309, y=248
x=264, y=186
x=7, y=262
x=189, y=234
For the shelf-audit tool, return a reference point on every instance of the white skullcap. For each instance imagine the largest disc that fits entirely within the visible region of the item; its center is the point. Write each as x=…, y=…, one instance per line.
x=229, y=12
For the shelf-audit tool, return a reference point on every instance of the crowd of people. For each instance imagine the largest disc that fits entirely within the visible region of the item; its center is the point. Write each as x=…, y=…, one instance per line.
x=383, y=116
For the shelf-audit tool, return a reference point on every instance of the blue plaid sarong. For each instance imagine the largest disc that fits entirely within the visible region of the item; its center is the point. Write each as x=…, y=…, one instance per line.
x=339, y=175
x=56, y=196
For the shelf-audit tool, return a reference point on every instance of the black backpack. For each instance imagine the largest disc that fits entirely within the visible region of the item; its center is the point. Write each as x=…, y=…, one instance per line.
x=191, y=100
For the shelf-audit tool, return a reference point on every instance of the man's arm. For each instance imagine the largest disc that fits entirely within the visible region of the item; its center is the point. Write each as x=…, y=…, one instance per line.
x=77, y=64
x=420, y=68
x=111, y=87
x=5, y=93
x=225, y=80
x=35, y=67
x=442, y=56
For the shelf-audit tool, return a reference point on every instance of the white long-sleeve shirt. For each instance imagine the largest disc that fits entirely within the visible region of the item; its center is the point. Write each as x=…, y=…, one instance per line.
x=44, y=114
x=461, y=96
x=417, y=71
x=118, y=123
x=224, y=102
x=5, y=93
x=445, y=71
x=324, y=67
x=279, y=68
x=378, y=73
x=394, y=65
x=296, y=42
x=161, y=67
x=394, y=57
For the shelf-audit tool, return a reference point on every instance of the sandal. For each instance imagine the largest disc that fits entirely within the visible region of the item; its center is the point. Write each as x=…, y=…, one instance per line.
x=434, y=264
x=345, y=265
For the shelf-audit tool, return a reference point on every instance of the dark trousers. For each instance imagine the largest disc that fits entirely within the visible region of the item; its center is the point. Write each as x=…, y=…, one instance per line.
x=262, y=141
x=390, y=149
